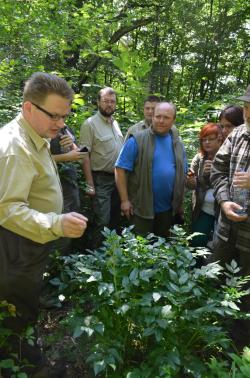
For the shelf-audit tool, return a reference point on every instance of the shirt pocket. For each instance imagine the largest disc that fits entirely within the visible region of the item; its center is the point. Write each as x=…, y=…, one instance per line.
x=104, y=144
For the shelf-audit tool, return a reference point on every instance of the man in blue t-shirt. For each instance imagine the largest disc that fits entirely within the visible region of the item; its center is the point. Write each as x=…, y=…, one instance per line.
x=150, y=174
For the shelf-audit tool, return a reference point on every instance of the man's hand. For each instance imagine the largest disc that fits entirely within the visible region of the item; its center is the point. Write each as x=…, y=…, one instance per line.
x=90, y=190
x=191, y=180
x=127, y=208
x=75, y=155
x=242, y=180
x=66, y=141
x=230, y=208
x=73, y=225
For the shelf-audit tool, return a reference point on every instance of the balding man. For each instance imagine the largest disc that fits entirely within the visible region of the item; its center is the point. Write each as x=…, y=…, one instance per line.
x=150, y=174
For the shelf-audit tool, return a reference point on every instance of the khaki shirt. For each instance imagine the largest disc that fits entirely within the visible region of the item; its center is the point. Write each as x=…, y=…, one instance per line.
x=30, y=189
x=142, y=125
x=104, y=141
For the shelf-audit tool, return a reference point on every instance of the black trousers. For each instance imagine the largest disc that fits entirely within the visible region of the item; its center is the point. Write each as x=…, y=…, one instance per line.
x=160, y=225
x=22, y=263
x=106, y=205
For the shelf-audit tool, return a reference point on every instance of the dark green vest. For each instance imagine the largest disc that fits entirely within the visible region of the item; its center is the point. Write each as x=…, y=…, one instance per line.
x=140, y=180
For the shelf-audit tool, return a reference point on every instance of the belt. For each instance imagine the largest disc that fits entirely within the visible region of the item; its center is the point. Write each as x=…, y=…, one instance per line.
x=102, y=173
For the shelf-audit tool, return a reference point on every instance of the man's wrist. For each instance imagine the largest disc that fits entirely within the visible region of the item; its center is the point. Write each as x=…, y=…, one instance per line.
x=89, y=187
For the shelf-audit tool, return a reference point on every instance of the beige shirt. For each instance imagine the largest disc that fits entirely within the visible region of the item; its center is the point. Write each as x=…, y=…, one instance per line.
x=30, y=189
x=104, y=141
x=142, y=125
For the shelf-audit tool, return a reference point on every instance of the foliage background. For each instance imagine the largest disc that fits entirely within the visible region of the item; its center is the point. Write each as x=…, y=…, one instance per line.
x=195, y=54
x=186, y=51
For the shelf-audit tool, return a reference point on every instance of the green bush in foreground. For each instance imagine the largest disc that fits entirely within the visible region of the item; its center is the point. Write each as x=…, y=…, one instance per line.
x=147, y=310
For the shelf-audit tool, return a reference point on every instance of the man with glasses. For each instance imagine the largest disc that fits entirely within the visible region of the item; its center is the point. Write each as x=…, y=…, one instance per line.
x=30, y=207
x=101, y=135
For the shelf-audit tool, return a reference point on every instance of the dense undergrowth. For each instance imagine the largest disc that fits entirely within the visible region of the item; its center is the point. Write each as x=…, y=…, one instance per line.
x=148, y=311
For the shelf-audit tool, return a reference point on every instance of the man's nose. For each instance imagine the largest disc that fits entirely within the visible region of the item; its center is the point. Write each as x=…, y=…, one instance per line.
x=60, y=123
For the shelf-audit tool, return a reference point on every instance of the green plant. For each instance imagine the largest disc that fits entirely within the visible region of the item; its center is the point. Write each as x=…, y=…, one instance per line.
x=9, y=310
x=237, y=367
x=146, y=308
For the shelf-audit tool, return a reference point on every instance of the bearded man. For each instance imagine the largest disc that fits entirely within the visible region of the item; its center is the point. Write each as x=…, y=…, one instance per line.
x=103, y=138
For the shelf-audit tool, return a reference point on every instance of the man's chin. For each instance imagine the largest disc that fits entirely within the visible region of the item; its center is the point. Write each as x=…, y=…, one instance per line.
x=52, y=134
x=106, y=114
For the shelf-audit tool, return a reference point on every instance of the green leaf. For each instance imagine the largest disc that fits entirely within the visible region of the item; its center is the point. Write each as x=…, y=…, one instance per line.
x=133, y=375
x=99, y=366
x=123, y=309
x=96, y=276
x=163, y=323
x=148, y=331
x=125, y=282
x=184, y=278
x=146, y=274
x=230, y=304
x=133, y=275
x=105, y=288
x=99, y=328
x=7, y=364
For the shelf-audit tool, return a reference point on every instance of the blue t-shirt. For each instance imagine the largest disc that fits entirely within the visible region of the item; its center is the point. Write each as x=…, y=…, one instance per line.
x=163, y=168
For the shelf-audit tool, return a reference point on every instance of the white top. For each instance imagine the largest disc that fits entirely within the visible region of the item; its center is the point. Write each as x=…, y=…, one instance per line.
x=208, y=203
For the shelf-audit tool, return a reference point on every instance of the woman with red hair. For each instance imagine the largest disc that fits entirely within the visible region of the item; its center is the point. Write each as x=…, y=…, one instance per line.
x=198, y=179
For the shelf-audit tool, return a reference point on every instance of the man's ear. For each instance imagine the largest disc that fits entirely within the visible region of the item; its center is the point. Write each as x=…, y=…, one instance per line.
x=27, y=106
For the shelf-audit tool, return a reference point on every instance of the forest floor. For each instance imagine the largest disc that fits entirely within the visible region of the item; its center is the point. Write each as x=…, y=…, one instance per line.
x=61, y=348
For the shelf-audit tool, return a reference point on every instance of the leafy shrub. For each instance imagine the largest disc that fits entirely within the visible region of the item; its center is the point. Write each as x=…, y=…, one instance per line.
x=148, y=311
x=239, y=367
x=13, y=364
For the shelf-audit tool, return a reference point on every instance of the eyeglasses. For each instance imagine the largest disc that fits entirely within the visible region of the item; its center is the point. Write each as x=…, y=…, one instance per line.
x=54, y=117
x=208, y=139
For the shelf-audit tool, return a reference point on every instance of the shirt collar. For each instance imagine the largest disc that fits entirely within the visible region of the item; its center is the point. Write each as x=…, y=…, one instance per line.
x=105, y=119
x=146, y=124
x=38, y=141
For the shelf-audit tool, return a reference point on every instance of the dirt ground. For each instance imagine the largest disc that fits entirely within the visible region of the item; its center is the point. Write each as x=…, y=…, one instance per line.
x=61, y=348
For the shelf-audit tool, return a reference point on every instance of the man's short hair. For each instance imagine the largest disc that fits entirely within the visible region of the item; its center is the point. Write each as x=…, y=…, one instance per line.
x=152, y=98
x=105, y=91
x=170, y=104
x=42, y=84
